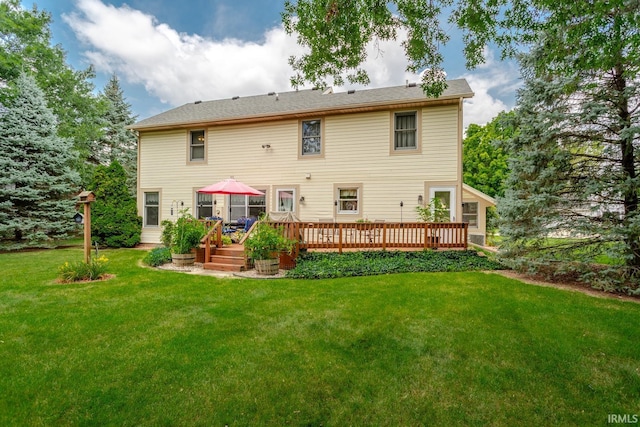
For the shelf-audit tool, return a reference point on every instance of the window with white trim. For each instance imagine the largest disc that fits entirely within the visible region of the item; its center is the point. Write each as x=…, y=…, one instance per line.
x=470, y=213
x=286, y=200
x=196, y=146
x=151, y=209
x=311, y=138
x=348, y=200
x=405, y=131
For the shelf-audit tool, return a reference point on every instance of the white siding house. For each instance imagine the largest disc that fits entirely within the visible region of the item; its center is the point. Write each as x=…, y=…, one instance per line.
x=370, y=154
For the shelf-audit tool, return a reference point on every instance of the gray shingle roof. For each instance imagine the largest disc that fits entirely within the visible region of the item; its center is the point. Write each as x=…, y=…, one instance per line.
x=302, y=102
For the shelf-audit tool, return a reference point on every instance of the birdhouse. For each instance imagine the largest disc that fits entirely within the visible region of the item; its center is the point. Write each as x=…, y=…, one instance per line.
x=87, y=197
x=78, y=218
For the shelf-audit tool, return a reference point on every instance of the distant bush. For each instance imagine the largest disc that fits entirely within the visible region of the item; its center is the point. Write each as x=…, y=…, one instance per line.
x=157, y=256
x=320, y=265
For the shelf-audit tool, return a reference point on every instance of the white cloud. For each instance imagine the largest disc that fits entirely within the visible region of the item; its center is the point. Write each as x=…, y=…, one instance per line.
x=179, y=68
x=501, y=78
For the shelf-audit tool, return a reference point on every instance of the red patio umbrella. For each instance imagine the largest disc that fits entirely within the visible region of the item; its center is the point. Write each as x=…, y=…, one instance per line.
x=230, y=186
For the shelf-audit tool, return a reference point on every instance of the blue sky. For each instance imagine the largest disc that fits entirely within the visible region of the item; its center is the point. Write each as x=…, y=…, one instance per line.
x=169, y=52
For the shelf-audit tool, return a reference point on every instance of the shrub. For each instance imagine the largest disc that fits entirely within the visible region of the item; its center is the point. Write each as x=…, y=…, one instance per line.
x=167, y=231
x=320, y=265
x=95, y=269
x=157, y=256
x=114, y=214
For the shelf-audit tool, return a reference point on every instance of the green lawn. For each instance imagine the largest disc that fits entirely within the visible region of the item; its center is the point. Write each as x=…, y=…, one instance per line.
x=164, y=348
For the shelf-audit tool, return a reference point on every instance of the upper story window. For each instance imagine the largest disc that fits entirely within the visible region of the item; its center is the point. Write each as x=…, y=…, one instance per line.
x=196, y=146
x=311, y=138
x=405, y=131
x=151, y=209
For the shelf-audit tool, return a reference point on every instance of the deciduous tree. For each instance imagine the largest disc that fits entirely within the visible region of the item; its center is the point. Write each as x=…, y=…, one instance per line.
x=484, y=161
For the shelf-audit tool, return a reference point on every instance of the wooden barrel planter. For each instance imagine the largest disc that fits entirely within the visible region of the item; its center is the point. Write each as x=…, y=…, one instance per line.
x=267, y=267
x=183, y=259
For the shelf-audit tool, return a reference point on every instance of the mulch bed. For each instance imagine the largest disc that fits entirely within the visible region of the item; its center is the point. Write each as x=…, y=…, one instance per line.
x=567, y=283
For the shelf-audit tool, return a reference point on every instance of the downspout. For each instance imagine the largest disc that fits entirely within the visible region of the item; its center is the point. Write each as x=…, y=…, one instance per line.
x=460, y=172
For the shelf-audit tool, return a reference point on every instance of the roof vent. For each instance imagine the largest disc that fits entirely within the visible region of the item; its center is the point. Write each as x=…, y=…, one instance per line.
x=271, y=93
x=351, y=91
x=198, y=102
x=411, y=84
x=235, y=97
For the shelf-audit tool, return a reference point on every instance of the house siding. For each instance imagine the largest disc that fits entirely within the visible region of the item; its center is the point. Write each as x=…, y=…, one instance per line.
x=356, y=152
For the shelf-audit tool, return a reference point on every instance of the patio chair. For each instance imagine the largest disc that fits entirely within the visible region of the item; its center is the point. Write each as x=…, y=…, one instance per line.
x=326, y=233
x=374, y=234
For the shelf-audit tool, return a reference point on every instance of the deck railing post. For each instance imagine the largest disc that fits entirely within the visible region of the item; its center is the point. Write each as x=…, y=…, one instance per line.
x=384, y=236
x=340, y=238
x=465, y=226
x=207, y=249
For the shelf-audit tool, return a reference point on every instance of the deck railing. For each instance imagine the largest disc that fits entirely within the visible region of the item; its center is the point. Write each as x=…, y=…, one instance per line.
x=212, y=238
x=387, y=235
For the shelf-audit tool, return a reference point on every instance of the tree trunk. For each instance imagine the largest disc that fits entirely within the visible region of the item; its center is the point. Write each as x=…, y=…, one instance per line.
x=632, y=238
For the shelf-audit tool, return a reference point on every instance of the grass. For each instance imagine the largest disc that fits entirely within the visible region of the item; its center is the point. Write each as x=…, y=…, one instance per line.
x=163, y=348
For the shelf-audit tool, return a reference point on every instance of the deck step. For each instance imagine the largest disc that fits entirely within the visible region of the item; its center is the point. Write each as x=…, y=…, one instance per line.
x=222, y=259
x=227, y=258
x=223, y=267
x=230, y=251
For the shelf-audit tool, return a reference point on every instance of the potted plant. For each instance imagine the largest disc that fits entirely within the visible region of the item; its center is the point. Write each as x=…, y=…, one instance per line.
x=435, y=211
x=264, y=245
x=185, y=238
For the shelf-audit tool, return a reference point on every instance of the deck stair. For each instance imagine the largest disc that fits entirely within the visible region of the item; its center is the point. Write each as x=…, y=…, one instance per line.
x=227, y=258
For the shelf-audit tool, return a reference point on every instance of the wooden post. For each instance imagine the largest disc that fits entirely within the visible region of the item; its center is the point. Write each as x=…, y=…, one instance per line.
x=87, y=232
x=86, y=197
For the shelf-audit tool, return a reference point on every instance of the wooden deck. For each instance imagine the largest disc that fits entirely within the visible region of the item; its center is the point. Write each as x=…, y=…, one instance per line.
x=340, y=236
x=373, y=235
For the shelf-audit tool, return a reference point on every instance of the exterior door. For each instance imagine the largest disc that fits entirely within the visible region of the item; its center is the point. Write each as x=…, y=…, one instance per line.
x=447, y=198
x=247, y=206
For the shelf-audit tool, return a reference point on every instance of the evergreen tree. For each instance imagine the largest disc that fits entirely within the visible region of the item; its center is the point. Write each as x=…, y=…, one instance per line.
x=485, y=162
x=25, y=44
x=114, y=214
x=118, y=143
x=574, y=163
x=37, y=182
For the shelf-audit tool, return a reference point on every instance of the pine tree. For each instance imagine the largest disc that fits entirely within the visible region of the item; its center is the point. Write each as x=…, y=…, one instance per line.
x=114, y=215
x=574, y=164
x=37, y=182
x=118, y=143
x=25, y=44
